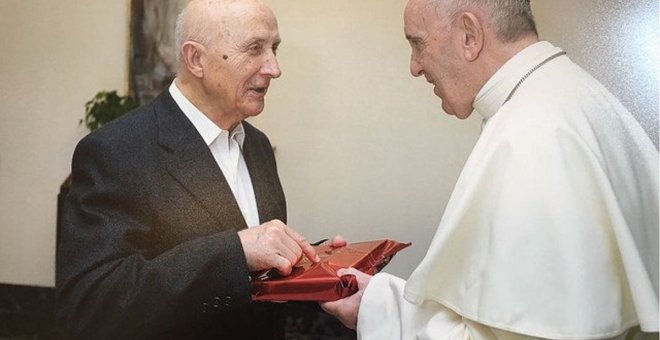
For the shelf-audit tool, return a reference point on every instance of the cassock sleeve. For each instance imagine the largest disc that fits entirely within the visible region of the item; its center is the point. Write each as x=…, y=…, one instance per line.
x=385, y=314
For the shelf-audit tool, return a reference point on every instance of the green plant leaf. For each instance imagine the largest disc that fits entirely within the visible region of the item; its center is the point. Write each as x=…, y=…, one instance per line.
x=106, y=106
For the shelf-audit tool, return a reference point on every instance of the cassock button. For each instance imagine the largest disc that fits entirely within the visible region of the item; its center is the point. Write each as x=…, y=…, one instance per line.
x=227, y=301
x=205, y=307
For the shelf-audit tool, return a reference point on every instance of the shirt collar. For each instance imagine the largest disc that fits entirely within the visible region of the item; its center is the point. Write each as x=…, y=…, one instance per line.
x=493, y=94
x=206, y=128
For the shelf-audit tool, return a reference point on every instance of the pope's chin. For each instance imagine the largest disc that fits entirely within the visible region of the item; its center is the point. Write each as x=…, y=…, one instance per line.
x=458, y=114
x=443, y=103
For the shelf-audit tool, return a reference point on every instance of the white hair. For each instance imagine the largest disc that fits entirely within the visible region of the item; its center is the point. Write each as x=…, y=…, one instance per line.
x=512, y=19
x=185, y=32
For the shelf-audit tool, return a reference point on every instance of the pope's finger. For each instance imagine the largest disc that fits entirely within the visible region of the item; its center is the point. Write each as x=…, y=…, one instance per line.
x=348, y=271
x=338, y=241
x=330, y=307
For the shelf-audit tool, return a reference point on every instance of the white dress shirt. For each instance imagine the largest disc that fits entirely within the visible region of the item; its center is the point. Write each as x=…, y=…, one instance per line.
x=226, y=149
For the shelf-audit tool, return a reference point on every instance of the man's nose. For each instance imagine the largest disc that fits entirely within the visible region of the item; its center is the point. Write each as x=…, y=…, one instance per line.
x=271, y=67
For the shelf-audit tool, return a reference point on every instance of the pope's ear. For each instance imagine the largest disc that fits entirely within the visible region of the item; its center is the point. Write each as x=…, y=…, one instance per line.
x=191, y=55
x=473, y=35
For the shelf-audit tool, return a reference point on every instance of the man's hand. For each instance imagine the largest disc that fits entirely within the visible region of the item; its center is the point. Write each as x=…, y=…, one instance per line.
x=346, y=309
x=274, y=245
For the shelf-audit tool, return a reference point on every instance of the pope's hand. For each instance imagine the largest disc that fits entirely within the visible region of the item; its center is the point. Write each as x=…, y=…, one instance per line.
x=346, y=309
x=274, y=245
x=336, y=242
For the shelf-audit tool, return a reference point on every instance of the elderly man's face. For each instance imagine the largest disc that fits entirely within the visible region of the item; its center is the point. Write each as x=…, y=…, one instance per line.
x=242, y=62
x=436, y=56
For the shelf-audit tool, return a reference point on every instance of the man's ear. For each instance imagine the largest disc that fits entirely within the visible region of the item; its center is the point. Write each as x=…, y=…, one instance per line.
x=191, y=55
x=473, y=38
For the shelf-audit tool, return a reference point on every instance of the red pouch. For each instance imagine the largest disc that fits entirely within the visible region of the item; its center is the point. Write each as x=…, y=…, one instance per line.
x=319, y=281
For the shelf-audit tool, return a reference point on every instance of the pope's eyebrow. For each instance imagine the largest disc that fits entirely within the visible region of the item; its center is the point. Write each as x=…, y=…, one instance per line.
x=413, y=39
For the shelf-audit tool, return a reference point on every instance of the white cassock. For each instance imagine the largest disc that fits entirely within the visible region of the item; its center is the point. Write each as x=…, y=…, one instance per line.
x=552, y=228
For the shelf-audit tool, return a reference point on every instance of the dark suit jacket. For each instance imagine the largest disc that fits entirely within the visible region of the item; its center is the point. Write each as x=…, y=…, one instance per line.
x=149, y=245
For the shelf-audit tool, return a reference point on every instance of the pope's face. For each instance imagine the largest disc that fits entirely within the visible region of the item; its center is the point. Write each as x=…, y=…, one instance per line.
x=436, y=55
x=239, y=65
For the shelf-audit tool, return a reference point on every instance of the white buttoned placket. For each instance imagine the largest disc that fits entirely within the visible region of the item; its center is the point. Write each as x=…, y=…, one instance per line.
x=226, y=150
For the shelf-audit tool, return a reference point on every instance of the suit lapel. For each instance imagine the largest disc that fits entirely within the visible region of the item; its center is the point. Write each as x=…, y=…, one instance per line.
x=189, y=160
x=264, y=178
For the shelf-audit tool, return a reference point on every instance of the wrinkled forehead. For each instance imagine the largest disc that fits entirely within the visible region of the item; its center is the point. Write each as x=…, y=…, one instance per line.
x=230, y=21
x=422, y=15
x=250, y=19
x=415, y=12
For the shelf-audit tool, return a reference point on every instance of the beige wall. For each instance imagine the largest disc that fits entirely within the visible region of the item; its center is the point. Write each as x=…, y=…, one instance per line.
x=617, y=41
x=55, y=56
x=363, y=148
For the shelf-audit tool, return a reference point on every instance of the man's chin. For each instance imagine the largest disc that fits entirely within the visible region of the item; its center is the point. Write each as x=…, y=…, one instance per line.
x=253, y=109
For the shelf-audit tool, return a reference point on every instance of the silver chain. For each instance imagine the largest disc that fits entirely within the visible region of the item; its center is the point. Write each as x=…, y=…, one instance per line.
x=532, y=71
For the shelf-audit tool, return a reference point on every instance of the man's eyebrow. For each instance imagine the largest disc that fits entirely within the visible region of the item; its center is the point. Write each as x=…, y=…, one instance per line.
x=258, y=40
x=252, y=41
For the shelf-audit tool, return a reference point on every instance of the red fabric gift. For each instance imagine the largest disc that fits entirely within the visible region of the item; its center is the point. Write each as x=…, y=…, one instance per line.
x=319, y=281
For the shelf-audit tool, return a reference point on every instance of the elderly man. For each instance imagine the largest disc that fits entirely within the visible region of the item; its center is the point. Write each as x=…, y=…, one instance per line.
x=175, y=203
x=552, y=228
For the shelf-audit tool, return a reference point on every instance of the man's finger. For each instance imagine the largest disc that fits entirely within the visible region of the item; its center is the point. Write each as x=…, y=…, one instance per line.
x=307, y=248
x=292, y=247
x=282, y=265
x=290, y=252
